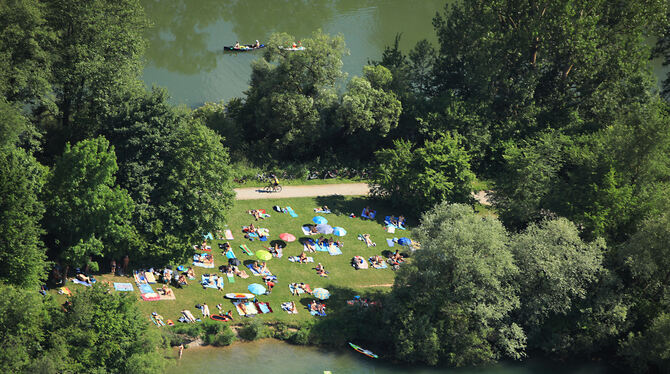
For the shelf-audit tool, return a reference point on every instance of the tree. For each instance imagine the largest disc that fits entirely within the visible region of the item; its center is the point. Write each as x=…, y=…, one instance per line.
x=176, y=171
x=87, y=214
x=556, y=270
x=453, y=301
x=649, y=352
x=104, y=331
x=289, y=94
x=96, y=58
x=417, y=178
x=368, y=110
x=24, y=59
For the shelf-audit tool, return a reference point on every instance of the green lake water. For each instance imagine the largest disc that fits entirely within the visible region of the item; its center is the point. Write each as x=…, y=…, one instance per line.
x=185, y=49
x=275, y=357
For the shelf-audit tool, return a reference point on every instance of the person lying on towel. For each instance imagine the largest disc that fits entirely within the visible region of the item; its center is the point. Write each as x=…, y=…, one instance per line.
x=188, y=315
x=264, y=268
x=320, y=270
x=312, y=230
x=310, y=246
x=302, y=258
x=190, y=273
x=367, y=240
x=377, y=261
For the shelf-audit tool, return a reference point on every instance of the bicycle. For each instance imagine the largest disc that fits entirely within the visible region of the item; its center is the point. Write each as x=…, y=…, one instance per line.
x=273, y=188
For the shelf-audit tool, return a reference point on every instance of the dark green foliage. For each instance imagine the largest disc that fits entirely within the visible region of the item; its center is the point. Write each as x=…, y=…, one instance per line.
x=452, y=302
x=303, y=336
x=648, y=352
x=253, y=330
x=417, y=178
x=87, y=214
x=224, y=337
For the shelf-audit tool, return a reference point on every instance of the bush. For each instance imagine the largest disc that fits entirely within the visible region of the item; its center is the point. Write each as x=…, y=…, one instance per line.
x=192, y=330
x=281, y=331
x=223, y=338
x=302, y=336
x=253, y=330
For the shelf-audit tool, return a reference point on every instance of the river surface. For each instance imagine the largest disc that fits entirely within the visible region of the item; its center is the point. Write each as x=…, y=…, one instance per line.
x=274, y=357
x=185, y=43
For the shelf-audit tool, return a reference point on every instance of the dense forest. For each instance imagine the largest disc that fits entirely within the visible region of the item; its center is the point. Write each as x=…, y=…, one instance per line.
x=553, y=102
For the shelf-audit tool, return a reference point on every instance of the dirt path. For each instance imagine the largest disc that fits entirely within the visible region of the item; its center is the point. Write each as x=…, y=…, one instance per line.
x=304, y=191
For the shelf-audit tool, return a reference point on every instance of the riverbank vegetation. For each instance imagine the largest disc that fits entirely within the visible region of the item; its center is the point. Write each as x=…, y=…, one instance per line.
x=553, y=103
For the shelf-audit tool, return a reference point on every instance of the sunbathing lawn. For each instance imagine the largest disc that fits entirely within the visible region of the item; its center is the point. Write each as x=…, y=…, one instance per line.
x=342, y=275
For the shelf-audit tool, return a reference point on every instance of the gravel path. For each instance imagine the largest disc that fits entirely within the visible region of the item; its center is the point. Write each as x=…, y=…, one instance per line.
x=304, y=191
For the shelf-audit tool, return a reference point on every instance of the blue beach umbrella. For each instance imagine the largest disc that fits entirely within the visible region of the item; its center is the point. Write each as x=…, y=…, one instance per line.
x=405, y=241
x=339, y=231
x=319, y=220
x=256, y=289
x=324, y=229
x=321, y=293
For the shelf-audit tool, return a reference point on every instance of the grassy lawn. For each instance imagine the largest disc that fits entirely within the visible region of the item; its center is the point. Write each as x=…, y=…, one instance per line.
x=342, y=274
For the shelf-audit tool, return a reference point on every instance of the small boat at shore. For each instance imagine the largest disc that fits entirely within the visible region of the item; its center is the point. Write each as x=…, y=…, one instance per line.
x=363, y=351
x=243, y=48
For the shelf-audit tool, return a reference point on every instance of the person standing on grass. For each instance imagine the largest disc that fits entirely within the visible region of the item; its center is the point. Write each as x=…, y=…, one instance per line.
x=181, y=350
x=205, y=310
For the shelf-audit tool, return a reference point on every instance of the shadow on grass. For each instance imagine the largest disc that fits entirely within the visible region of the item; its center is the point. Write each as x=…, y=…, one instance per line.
x=347, y=205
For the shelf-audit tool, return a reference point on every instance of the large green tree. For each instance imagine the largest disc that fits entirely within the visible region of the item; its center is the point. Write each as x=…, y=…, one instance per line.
x=416, y=178
x=649, y=352
x=556, y=268
x=87, y=213
x=452, y=302
x=290, y=96
x=176, y=171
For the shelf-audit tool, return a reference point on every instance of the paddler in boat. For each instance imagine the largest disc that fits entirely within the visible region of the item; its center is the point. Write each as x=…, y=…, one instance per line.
x=258, y=44
x=237, y=45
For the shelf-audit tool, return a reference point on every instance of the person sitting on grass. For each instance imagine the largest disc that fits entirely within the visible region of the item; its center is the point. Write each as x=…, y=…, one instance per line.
x=314, y=307
x=401, y=221
x=165, y=290
x=190, y=273
x=397, y=257
x=256, y=267
x=321, y=308
x=264, y=268
x=229, y=314
x=312, y=230
x=270, y=284
x=322, y=209
x=320, y=270
x=293, y=309
x=182, y=280
x=252, y=228
x=393, y=221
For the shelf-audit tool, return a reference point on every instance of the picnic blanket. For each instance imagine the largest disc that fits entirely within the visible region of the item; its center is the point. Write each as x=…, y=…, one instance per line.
x=291, y=212
x=263, y=307
x=231, y=278
x=390, y=242
x=288, y=307
x=382, y=266
x=228, y=234
x=248, y=305
x=145, y=288
x=256, y=273
x=334, y=250
x=371, y=215
x=205, y=281
x=319, y=210
x=124, y=287
x=320, y=247
x=230, y=253
x=77, y=281
x=359, y=263
x=167, y=297
x=197, y=261
x=387, y=221
x=246, y=250
x=297, y=259
x=151, y=296
x=292, y=287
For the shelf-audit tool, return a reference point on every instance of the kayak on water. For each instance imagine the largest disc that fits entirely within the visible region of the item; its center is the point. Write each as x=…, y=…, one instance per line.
x=242, y=48
x=363, y=351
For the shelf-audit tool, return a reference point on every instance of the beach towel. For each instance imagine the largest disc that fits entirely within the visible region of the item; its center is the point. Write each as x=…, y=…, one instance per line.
x=358, y=264
x=243, y=274
x=150, y=296
x=390, y=229
x=246, y=250
x=139, y=277
x=371, y=215
x=288, y=307
x=77, y=281
x=292, y=287
x=254, y=272
x=167, y=297
x=208, y=236
x=291, y=212
x=315, y=313
x=320, y=248
x=197, y=262
x=382, y=266
x=205, y=281
x=64, y=291
x=297, y=259
x=230, y=253
x=306, y=248
x=263, y=307
x=124, y=287
x=334, y=250
x=390, y=242
x=231, y=278
x=305, y=230
x=249, y=306
x=387, y=221
x=229, y=234
x=319, y=210
x=145, y=288
x=149, y=277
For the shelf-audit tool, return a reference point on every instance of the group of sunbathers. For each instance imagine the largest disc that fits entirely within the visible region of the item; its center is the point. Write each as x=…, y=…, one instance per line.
x=396, y=258
x=317, y=307
x=377, y=261
x=276, y=250
x=322, y=209
x=368, y=213
x=214, y=280
x=296, y=288
x=231, y=270
x=251, y=229
x=257, y=213
x=399, y=222
x=220, y=308
x=262, y=268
